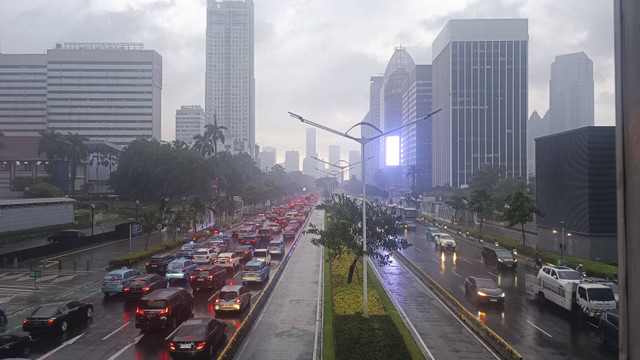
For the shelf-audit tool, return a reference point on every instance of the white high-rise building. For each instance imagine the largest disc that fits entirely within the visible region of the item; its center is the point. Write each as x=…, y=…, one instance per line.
x=571, y=92
x=104, y=91
x=267, y=158
x=355, y=170
x=230, y=83
x=308, y=163
x=189, y=123
x=292, y=161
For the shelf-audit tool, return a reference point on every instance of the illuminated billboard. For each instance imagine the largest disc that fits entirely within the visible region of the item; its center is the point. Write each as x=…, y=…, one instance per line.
x=392, y=147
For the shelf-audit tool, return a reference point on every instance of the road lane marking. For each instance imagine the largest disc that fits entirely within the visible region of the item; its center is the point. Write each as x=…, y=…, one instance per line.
x=436, y=260
x=256, y=294
x=319, y=305
x=115, y=331
x=91, y=248
x=544, y=332
x=418, y=249
x=465, y=260
x=404, y=315
x=172, y=333
x=53, y=351
x=115, y=356
x=490, y=273
x=456, y=274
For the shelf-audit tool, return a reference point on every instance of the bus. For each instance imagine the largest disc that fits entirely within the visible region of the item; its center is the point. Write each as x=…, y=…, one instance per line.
x=410, y=214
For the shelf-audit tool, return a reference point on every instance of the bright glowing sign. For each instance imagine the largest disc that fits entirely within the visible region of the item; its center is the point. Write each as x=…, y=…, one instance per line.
x=392, y=147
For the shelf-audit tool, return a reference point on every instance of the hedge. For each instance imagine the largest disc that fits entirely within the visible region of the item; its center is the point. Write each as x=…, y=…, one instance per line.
x=137, y=256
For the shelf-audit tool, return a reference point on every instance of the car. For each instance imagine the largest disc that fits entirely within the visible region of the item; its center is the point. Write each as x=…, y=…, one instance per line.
x=275, y=229
x=228, y=260
x=164, y=309
x=207, y=277
x=234, y=234
x=261, y=218
x=143, y=284
x=432, y=232
x=225, y=237
x=180, y=269
x=57, y=317
x=608, y=329
x=276, y=247
x=15, y=346
x=115, y=281
x=66, y=235
x=197, y=338
x=289, y=233
x=251, y=226
x=233, y=298
x=263, y=255
x=445, y=241
x=188, y=250
x=205, y=256
x=249, y=238
x=498, y=256
x=158, y=263
x=559, y=275
x=484, y=290
x=245, y=252
x=265, y=235
x=255, y=271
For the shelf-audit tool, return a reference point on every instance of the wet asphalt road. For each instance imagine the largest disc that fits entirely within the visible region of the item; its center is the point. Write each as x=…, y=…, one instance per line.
x=536, y=330
x=111, y=333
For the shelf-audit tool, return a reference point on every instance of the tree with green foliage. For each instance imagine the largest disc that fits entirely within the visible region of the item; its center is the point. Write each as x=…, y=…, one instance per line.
x=485, y=178
x=481, y=203
x=40, y=189
x=412, y=172
x=506, y=187
x=150, y=221
x=457, y=203
x=519, y=209
x=75, y=151
x=214, y=133
x=343, y=231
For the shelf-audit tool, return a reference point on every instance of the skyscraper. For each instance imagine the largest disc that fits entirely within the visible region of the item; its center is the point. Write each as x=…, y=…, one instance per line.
x=571, y=92
x=292, y=161
x=309, y=164
x=356, y=170
x=480, y=83
x=536, y=127
x=372, y=149
x=334, y=158
x=230, y=83
x=267, y=158
x=416, y=143
x=189, y=123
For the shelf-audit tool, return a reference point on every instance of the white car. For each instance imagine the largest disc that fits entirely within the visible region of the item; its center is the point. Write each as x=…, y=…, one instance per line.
x=559, y=275
x=263, y=255
x=204, y=256
x=228, y=260
x=445, y=241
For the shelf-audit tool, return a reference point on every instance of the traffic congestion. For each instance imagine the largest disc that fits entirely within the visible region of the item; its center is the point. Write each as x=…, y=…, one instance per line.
x=180, y=304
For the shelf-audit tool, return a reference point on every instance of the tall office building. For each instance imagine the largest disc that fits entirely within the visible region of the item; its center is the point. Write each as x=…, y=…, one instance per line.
x=292, y=161
x=416, y=143
x=230, y=83
x=571, y=92
x=355, y=171
x=309, y=164
x=372, y=149
x=104, y=91
x=189, y=123
x=267, y=158
x=480, y=83
x=536, y=127
x=334, y=158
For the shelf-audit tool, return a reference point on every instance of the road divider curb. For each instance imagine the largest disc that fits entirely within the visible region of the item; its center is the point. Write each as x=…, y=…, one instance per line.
x=503, y=349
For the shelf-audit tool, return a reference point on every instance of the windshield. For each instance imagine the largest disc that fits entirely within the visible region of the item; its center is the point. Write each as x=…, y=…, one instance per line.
x=191, y=332
x=202, y=252
x=275, y=243
x=46, y=311
x=251, y=268
x=501, y=253
x=228, y=295
x=138, y=282
x=569, y=275
x=601, y=294
x=486, y=284
x=113, y=277
x=175, y=266
x=445, y=237
x=154, y=304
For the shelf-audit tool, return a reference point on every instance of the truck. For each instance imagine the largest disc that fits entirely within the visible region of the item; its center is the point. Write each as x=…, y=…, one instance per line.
x=409, y=217
x=560, y=286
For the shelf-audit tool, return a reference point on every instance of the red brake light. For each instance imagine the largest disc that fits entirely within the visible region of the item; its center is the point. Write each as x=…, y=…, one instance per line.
x=139, y=312
x=146, y=288
x=210, y=277
x=192, y=277
x=201, y=345
x=102, y=284
x=238, y=300
x=127, y=289
x=121, y=282
x=166, y=310
x=50, y=321
x=217, y=301
x=172, y=346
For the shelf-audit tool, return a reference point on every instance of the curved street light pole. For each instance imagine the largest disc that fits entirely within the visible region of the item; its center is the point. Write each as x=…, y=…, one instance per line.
x=362, y=141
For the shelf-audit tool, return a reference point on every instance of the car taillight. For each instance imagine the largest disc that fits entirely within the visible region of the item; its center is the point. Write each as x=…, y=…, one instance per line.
x=217, y=302
x=166, y=310
x=146, y=288
x=238, y=301
x=50, y=321
x=25, y=321
x=192, y=277
x=201, y=345
x=102, y=284
x=172, y=346
x=147, y=264
x=210, y=277
x=139, y=312
x=121, y=282
x=215, y=260
x=127, y=289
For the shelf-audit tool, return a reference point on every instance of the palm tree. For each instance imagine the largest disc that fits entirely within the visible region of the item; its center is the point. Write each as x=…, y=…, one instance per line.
x=214, y=133
x=98, y=158
x=51, y=145
x=202, y=146
x=75, y=151
x=412, y=172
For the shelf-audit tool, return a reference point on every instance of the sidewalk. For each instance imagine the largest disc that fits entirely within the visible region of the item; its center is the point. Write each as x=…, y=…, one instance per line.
x=288, y=328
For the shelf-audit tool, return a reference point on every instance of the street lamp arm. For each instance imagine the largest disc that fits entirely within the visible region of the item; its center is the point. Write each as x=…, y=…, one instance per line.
x=365, y=124
x=405, y=125
x=296, y=116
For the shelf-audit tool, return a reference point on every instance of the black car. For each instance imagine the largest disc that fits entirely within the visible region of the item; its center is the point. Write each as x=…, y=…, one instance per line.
x=158, y=263
x=608, y=327
x=164, y=308
x=144, y=284
x=484, y=290
x=57, y=317
x=498, y=256
x=245, y=252
x=264, y=235
x=15, y=346
x=66, y=235
x=289, y=233
x=197, y=338
x=207, y=277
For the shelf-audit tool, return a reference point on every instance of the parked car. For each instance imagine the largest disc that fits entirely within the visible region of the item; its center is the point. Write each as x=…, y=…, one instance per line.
x=498, y=256
x=205, y=256
x=197, y=338
x=143, y=284
x=432, y=232
x=188, y=250
x=65, y=235
x=484, y=290
x=180, y=269
x=276, y=247
x=608, y=327
x=207, y=277
x=255, y=271
x=233, y=298
x=158, y=263
x=57, y=317
x=15, y=346
x=228, y=261
x=115, y=281
x=164, y=308
x=262, y=255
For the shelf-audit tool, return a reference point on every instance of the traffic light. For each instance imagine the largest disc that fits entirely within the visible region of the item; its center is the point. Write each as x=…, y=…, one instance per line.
x=455, y=220
x=244, y=218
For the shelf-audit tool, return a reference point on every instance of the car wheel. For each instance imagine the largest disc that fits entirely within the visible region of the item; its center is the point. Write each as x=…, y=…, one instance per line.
x=26, y=352
x=89, y=312
x=211, y=351
x=64, y=326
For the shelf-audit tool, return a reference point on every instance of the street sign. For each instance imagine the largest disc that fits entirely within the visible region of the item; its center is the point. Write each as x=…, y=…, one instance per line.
x=35, y=274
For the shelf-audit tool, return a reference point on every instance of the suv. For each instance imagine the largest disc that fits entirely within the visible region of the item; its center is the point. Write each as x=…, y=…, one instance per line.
x=207, y=277
x=143, y=284
x=65, y=235
x=228, y=260
x=289, y=233
x=445, y=241
x=501, y=257
x=432, y=232
x=233, y=298
x=164, y=308
x=116, y=280
x=159, y=262
x=559, y=275
x=204, y=256
x=255, y=271
x=262, y=254
x=180, y=269
x=264, y=234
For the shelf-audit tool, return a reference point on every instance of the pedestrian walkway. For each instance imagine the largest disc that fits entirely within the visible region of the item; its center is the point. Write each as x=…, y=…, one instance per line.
x=288, y=328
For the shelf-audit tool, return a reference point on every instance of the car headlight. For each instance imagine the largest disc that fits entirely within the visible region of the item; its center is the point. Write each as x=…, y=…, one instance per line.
x=480, y=293
x=515, y=260
x=502, y=295
x=500, y=260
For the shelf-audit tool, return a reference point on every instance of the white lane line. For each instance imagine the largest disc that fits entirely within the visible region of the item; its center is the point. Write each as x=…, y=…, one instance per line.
x=418, y=249
x=450, y=311
x=436, y=260
x=172, y=333
x=68, y=342
x=256, y=294
x=404, y=315
x=115, y=356
x=456, y=274
x=465, y=260
x=115, y=331
x=544, y=332
x=319, y=305
x=490, y=273
x=214, y=295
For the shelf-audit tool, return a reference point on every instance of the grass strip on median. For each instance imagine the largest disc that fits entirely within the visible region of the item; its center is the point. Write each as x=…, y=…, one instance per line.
x=137, y=256
x=328, y=342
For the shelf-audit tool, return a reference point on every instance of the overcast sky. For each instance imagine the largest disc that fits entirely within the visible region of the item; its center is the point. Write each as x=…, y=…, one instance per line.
x=314, y=57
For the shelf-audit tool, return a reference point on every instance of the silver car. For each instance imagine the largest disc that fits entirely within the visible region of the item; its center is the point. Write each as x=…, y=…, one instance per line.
x=233, y=298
